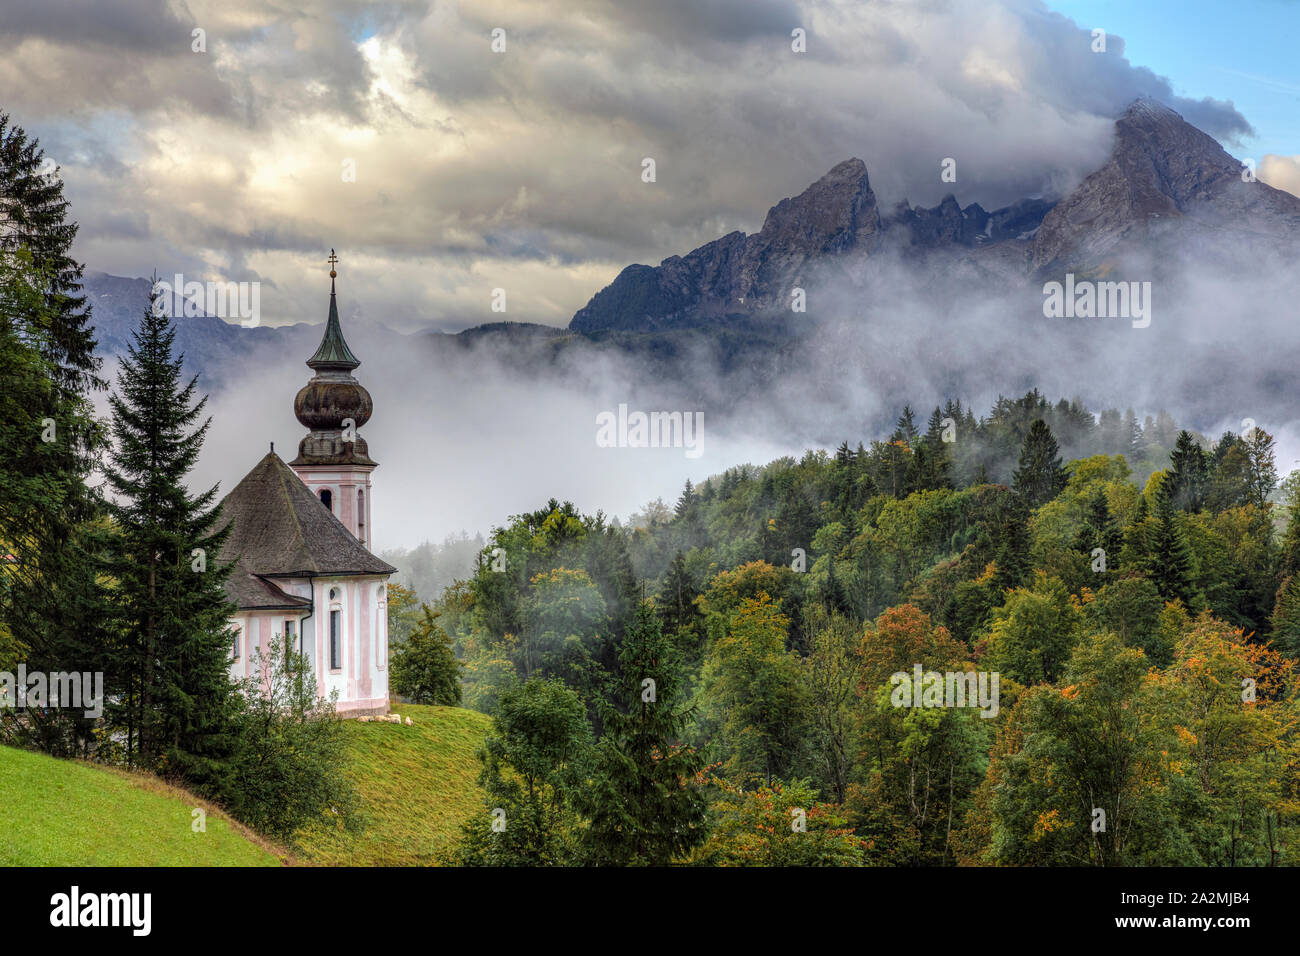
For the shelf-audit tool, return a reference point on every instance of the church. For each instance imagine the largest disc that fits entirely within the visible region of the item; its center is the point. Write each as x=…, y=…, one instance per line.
x=300, y=541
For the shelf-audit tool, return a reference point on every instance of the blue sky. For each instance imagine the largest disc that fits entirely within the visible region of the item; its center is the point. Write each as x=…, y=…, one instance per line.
x=1244, y=51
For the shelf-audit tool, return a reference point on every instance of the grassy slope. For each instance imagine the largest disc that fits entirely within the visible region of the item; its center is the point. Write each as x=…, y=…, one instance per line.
x=67, y=813
x=417, y=785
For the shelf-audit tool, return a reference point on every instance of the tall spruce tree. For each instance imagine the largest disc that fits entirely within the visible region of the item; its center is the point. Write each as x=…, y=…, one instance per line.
x=173, y=615
x=934, y=461
x=642, y=803
x=1170, y=562
x=1101, y=530
x=51, y=602
x=676, y=602
x=34, y=216
x=1188, y=473
x=1041, y=475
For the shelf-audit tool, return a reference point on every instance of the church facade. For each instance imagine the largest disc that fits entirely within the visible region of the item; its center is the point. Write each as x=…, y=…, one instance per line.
x=300, y=539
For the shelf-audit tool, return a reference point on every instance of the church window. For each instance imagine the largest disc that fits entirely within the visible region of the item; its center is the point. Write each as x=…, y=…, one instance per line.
x=327, y=498
x=336, y=650
x=290, y=645
x=361, y=515
x=235, y=649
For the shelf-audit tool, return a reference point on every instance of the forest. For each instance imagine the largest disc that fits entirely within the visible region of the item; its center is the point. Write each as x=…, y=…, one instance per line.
x=718, y=685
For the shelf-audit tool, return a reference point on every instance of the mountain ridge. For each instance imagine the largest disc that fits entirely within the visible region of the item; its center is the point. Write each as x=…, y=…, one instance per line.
x=1160, y=169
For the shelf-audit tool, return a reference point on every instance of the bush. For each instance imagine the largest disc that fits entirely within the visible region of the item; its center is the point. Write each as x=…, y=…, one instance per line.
x=288, y=769
x=425, y=669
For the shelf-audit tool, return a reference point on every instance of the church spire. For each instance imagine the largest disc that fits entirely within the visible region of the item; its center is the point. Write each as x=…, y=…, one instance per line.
x=333, y=353
x=333, y=404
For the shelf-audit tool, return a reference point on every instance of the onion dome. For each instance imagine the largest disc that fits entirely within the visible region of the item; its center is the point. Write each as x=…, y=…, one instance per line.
x=333, y=404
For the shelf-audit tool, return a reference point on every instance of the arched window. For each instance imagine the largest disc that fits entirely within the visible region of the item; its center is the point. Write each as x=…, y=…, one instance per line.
x=361, y=515
x=327, y=498
x=336, y=632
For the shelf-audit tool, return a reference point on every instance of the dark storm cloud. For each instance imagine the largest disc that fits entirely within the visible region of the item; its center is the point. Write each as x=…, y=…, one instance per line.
x=127, y=26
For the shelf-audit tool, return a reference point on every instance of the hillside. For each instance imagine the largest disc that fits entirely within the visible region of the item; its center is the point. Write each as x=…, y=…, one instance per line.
x=66, y=813
x=417, y=785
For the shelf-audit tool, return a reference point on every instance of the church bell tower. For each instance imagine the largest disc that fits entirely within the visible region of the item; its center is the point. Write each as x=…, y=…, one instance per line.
x=333, y=460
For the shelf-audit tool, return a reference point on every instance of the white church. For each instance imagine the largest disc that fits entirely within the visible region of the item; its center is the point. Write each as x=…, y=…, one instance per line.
x=301, y=537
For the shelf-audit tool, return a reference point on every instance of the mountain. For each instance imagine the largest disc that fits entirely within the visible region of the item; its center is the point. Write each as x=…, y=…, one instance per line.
x=835, y=219
x=1163, y=176
x=1164, y=179
x=1166, y=193
x=211, y=346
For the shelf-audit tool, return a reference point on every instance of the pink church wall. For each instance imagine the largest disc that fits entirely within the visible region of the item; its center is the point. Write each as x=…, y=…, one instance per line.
x=362, y=681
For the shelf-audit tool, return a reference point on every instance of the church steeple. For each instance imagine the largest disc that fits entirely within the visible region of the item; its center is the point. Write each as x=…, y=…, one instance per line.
x=333, y=352
x=333, y=404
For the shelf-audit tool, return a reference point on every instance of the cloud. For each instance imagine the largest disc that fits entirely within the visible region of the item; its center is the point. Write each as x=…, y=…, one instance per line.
x=522, y=170
x=1281, y=172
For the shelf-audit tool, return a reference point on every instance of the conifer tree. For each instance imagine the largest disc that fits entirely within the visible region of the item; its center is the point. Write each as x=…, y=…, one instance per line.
x=1188, y=473
x=642, y=803
x=936, y=470
x=676, y=600
x=1229, y=483
x=1286, y=617
x=33, y=216
x=686, y=502
x=1133, y=434
x=1170, y=561
x=1101, y=530
x=51, y=602
x=1041, y=475
x=173, y=614
x=1012, y=558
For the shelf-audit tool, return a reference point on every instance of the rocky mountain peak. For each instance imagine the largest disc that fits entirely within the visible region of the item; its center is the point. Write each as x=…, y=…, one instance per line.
x=1161, y=168
x=833, y=214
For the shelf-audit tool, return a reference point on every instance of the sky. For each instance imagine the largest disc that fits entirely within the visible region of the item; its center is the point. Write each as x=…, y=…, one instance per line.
x=474, y=170
x=1248, y=57
x=442, y=171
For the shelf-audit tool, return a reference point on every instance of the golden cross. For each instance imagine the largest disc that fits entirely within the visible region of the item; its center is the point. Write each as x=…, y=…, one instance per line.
x=333, y=260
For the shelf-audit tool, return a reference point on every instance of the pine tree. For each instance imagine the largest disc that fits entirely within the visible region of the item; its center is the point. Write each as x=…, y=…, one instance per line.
x=906, y=427
x=1170, y=563
x=1229, y=483
x=1012, y=559
x=835, y=599
x=686, y=502
x=33, y=216
x=1101, y=530
x=1286, y=617
x=51, y=604
x=676, y=600
x=1041, y=476
x=642, y=803
x=934, y=461
x=173, y=615
x=1188, y=474
x=424, y=669
x=1133, y=436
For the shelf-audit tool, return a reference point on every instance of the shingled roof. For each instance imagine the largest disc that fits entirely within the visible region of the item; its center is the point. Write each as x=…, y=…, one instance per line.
x=252, y=593
x=281, y=529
